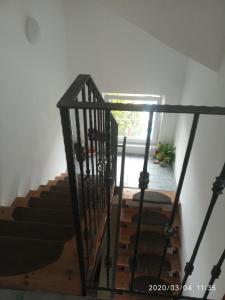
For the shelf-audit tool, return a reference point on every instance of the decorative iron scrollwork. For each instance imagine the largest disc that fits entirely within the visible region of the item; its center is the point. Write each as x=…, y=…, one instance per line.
x=93, y=134
x=216, y=271
x=80, y=152
x=218, y=185
x=89, y=180
x=108, y=180
x=188, y=268
x=101, y=165
x=96, y=135
x=169, y=231
x=143, y=180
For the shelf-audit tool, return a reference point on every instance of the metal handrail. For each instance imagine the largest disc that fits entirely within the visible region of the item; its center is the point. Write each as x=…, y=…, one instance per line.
x=101, y=126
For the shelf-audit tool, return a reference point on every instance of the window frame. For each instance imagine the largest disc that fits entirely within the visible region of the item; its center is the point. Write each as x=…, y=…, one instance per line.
x=140, y=97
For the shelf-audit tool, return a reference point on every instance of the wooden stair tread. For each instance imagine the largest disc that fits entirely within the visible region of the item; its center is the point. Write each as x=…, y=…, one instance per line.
x=35, y=202
x=43, y=215
x=153, y=239
x=55, y=195
x=45, y=257
x=50, y=205
x=35, y=230
x=123, y=279
x=149, y=216
x=128, y=200
x=153, y=196
x=173, y=260
x=128, y=193
x=20, y=255
x=61, y=276
x=63, y=183
x=59, y=188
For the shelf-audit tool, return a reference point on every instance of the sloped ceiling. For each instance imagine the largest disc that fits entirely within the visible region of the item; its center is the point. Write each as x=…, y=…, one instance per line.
x=195, y=28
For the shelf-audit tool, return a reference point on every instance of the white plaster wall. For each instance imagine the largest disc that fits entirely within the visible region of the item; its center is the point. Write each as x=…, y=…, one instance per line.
x=32, y=79
x=122, y=57
x=195, y=28
x=202, y=87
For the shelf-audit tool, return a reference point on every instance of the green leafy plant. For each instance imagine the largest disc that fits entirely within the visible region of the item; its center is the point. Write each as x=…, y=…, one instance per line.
x=129, y=121
x=165, y=154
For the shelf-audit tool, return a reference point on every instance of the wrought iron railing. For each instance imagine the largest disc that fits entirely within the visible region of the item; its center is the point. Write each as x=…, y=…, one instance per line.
x=90, y=136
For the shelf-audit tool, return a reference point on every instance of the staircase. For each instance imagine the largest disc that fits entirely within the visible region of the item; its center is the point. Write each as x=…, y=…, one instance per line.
x=38, y=248
x=155, y=216
x=127, y=240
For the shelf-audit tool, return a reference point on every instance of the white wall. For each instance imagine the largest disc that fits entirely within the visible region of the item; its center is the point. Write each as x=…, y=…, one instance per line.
x=202, y=87
x=32, y=79
x=122, y=57
x=195, y=28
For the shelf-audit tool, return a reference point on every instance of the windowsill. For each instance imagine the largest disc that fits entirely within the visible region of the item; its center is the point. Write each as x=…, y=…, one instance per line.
x=134, y=148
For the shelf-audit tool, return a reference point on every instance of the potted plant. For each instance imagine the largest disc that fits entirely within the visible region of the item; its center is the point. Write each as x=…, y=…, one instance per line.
x=165, y=154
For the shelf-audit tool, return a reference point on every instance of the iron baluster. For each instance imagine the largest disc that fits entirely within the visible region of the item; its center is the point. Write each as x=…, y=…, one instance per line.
x=96, y=162
x=119, y=205
x=215, y=273
x=143, y=184
x=108, y=184
x=81, y=158
x=85, y=133
x=92, y=179
x=180, y=185
x=70, y=158
x=87, y=165
x=100, y=160
x=104, y=155
x=218, y=187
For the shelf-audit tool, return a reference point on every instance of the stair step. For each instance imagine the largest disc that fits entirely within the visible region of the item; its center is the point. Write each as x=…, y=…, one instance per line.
x=172, y=259
x=150, y=216
x=146, y=263
x=36, y=230
x=151, y=196
x=39, y=215
x=35, y=202
x=19, y=255
x=131, y=199
x=55, y=195
x=59, y=189
x=142, y=281
x=148, y=241
x=64, y=183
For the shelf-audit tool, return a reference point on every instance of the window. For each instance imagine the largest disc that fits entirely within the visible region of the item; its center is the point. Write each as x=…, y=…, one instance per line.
x=134, y=125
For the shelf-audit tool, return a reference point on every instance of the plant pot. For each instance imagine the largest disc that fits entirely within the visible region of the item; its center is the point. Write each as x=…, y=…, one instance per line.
x=163, y=164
